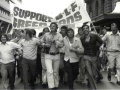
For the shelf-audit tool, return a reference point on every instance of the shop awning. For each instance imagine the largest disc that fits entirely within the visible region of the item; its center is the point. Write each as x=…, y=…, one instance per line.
x=117, y=8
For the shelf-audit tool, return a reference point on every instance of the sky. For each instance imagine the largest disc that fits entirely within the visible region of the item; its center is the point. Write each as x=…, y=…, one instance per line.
x=48, y=7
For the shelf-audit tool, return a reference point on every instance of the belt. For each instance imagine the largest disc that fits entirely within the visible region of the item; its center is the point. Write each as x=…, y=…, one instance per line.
x=52, y=53
x=62, y=53
x=113, y=51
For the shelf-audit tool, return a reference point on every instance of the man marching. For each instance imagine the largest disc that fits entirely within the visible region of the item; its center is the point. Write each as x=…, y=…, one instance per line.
x=52, y=41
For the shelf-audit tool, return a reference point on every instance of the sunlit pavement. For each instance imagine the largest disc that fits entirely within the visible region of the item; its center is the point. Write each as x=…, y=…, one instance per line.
x=103, y=84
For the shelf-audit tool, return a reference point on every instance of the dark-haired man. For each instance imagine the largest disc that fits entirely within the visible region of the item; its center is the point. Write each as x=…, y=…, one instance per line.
x=52, y=41
x=19, y=36
x=81, y=62
x=29, y=45
x=62, y=53
x=90, y=49
x=8, y=62
x=33, y=33
x=113, y=51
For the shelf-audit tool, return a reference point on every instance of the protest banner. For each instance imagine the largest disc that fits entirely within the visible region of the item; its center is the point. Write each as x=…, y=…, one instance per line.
x=74, y=14
x=28, y=19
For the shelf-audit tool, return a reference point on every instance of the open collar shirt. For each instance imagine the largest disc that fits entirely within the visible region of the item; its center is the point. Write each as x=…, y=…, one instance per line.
x=48, y=38
x=90, y=48
x=112, y=41
x=7, y=52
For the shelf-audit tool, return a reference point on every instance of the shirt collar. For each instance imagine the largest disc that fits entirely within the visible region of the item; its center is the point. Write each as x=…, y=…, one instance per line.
x=54, y=33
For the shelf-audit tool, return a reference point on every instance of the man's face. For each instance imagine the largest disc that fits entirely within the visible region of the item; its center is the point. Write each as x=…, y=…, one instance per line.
x=22, y=34
x=80, y=32
x=86, y=30
x=70, y=34
x=3, y=39
x=63, y=31
x=53, y=27
x=114, y=28
x=104, y=31
x=45, y=30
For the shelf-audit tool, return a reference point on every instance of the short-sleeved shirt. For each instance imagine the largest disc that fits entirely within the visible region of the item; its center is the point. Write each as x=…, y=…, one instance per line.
x=30, y=48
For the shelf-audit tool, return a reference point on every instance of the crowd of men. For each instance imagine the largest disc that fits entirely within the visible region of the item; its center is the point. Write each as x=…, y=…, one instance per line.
x=59, y=56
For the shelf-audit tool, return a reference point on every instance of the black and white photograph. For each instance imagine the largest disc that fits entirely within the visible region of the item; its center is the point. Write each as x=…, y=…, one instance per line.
x=59, y=44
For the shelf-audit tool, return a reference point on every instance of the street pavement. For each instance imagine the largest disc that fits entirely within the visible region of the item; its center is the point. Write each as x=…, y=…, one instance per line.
x=103, y=84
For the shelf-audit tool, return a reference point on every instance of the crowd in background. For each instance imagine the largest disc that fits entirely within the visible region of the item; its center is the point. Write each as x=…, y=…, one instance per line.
x=59, y=56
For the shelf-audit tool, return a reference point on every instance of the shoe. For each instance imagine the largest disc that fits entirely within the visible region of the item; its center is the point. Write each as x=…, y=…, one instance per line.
x=55, y=88
x=109, y=77
x=88, y=83
x=44, y=85
x=118, y=82
x=70, y=88
x=12, y=87
x=33, y=87
x=99, y=78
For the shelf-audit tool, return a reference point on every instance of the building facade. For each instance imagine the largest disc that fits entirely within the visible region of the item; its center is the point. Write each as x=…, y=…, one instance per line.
x=100, y=12
x=5, y=17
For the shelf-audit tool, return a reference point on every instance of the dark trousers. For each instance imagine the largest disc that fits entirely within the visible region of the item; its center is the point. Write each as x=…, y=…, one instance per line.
x=29, y=65
x=0, y=71
x=61, y=74
x=91, y=69
x=61, y=70
x=8, y=71
x=72, y=70
x=19, y=67
x=82, y=69
x=39, y=65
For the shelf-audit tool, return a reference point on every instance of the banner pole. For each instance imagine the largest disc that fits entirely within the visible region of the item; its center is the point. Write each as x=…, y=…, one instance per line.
x=1, y=23
x=93, y=27
x=8, y=27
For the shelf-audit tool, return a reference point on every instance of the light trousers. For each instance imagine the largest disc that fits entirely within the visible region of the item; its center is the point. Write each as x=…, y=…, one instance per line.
x=44, y=70
x=52, y=64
